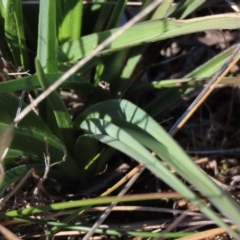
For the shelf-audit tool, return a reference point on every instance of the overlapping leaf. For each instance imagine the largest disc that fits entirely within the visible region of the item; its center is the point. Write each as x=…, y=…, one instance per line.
x=148, y=31
x=100, y=121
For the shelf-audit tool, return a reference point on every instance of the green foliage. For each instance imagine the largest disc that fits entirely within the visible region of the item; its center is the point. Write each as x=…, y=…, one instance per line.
x=47, y=43
x=66, y=131
x=14, y=32
x=31, y=137
x=69, y=31
x=148, y=31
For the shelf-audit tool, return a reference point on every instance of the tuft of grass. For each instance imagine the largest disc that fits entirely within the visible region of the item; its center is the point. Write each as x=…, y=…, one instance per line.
x=78, y=50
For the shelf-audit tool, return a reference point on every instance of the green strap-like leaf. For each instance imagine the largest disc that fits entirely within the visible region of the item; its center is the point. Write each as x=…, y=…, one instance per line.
x=117, y=138
x=125, y=61
x=162, y=10
x=63, y=119
x=30, y=135
x=14, y=174
x=149, y=31
x=47, y=36
x=14, y=32
x=87, y=155
x=116, y=14
x=33, y=143
x=191, y=6
x=206, y=70
x=31, y=82
x=179, y=10
x=70, y=26
x=123, y=111
x=9, y=104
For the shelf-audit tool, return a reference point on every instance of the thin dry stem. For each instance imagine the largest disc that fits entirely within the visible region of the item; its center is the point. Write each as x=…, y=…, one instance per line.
x=20, y=183
x=206, y=234
x=8, y=234
x=221, y=73
x=112, y=205
x=123, y=180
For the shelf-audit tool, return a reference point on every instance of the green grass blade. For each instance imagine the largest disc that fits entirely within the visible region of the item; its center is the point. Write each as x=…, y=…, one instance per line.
x=206, y=70
x=71, y=25
x=149, y=31
x=162, y=10
x=113, y=71
x=179, y=9
x=122, y=66
x=110, y=232
x=85, y=202
x=214, y=64
x=102, y=18
x=170, y=96
x=190, y=6
x=135, y=54
x=30, y=135
x=14, y=33
x=12, y=159
x=2, y=12
x=145, y=3
x=2, y=16
x=75, y=82
x=9, y=104
x=116, y=137
x=168, y=150
x=178, y=83
x=33, y=144
x=63, y=119
x=125, y=61
x=14, y=174
x=88, y=155
x=4, y=49
x=47, y=37
x=116, y=14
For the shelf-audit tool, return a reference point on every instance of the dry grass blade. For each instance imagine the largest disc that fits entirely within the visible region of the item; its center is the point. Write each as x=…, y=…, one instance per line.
x=5, y=141
x=8, y=234
x=174, y=224
x=222, y=72
x=206, y=234
x=90, y=2
x=123, y=180
x=112, y=205
x=20, y=183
